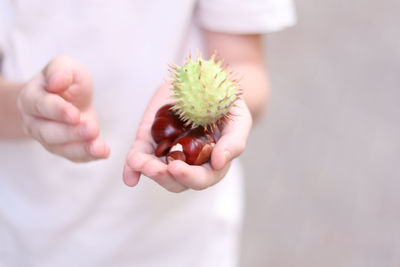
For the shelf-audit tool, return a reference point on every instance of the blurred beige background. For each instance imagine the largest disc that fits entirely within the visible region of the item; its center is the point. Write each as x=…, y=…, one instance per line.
x=323, y=165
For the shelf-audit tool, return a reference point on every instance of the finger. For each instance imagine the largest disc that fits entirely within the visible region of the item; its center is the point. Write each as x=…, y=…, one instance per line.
x=82, y=151
x=152, y=167
x=55, y=133
x=58, y=82
x=58, y=74
x=41, y=104
x=234, y=137
x=99, y=149
x=143, y=146
x=70, y=79
x=196, y=177
x=130, y=177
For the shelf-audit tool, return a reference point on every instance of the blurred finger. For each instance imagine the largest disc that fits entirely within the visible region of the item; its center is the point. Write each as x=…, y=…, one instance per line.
x=153, y=168
x=58, y=74
x=99, y=149
x=55, y=133
x=69, y=79
x=82, y=151
x=131, y=175
x=196, y=177
x=234, y=137
x=39, y=103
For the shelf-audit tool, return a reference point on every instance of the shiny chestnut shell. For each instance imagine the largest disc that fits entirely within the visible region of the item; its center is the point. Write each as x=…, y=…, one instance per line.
x=196, y=144
x=166, y=125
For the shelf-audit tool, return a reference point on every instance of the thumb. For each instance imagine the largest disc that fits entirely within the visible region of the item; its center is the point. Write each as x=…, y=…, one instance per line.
x=234, y=136
x=58, y=75
x=71, y=80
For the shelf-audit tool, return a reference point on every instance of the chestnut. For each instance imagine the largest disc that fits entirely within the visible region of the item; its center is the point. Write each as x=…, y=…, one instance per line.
x=165, y=129
x=163, y=148
x=196, y=145
x=178, y=142
x=166, y=125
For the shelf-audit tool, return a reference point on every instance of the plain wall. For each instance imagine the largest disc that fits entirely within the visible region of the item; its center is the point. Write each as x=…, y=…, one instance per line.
x=323, y=164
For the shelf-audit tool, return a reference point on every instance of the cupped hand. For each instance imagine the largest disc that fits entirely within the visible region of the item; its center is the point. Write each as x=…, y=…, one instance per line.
x=57, y=111
x=178, y=176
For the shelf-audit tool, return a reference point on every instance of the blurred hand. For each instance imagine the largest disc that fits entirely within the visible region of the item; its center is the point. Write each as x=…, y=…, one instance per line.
x=178, y=176
x=56, y=107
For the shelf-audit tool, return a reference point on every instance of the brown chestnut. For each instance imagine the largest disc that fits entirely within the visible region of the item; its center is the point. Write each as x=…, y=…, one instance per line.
x=196, y=144
x=163, y=148
x=166, y=125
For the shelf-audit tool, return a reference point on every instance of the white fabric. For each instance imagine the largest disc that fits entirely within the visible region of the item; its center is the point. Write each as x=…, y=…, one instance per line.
x=246, y=16
x=57, y=213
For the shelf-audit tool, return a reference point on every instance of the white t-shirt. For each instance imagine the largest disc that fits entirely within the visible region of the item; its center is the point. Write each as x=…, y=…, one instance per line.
x=57, y=213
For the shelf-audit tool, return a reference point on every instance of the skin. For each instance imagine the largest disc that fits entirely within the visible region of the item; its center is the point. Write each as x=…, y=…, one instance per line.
x=244, y=55
x=55, y=108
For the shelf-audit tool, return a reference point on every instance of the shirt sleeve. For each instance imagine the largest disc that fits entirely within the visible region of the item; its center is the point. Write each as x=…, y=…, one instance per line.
x=245, y=16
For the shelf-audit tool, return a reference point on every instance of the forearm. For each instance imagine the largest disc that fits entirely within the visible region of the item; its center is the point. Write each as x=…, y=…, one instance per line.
x=255, y=86
x=243, y=54
x=10, y=118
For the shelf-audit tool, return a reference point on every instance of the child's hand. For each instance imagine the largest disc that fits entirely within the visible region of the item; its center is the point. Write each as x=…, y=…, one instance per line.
x=178, y=176
x=56, y=107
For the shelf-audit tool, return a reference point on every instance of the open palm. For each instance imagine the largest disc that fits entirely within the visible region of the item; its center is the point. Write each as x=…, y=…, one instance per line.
x=178, y=176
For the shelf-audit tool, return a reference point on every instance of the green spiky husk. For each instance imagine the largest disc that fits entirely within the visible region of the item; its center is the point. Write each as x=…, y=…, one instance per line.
x=203, y=92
